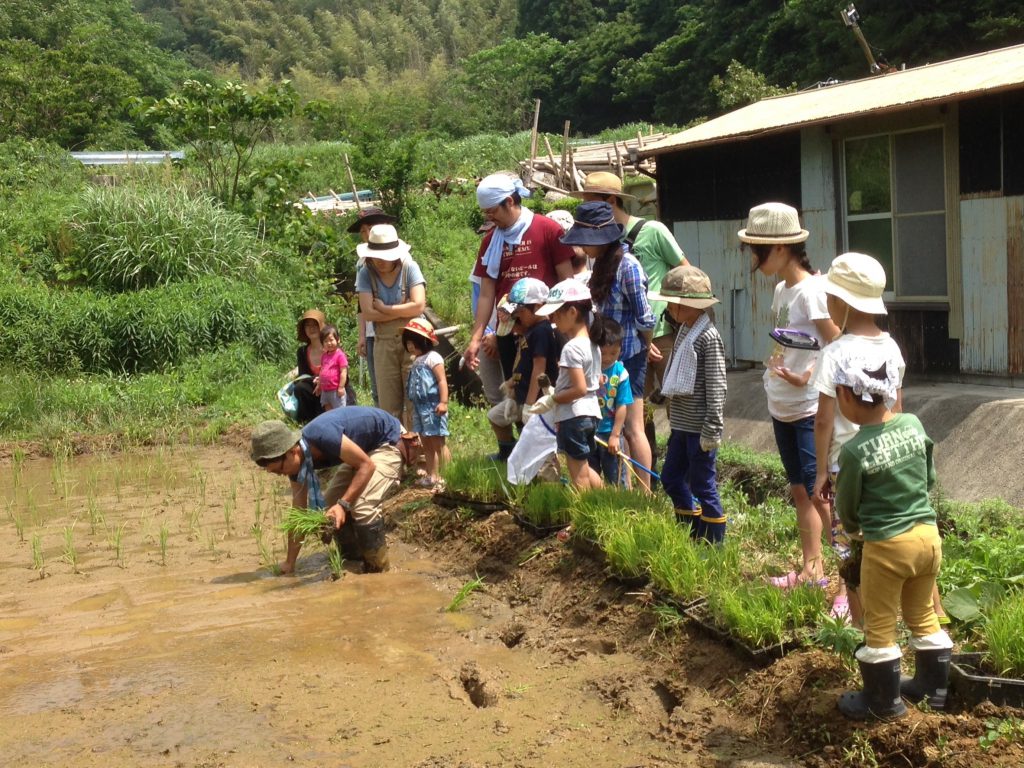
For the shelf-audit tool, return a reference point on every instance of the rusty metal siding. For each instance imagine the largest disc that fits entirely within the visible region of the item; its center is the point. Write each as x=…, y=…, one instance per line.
x=1015, y=283
x=983, y=228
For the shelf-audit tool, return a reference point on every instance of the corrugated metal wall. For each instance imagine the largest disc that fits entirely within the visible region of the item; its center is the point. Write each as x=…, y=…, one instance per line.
x=744, y=315
x=992, y=254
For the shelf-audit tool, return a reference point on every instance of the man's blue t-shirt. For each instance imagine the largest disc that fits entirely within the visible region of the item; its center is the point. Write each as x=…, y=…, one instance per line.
x=369, y=428
x=612, y=392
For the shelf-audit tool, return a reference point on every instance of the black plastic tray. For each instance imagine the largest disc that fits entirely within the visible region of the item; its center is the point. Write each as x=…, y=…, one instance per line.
x=454, y=501
x=679, y=604
x=760, y=657
x=588, y=548
x=535, y=529
x=971, y=685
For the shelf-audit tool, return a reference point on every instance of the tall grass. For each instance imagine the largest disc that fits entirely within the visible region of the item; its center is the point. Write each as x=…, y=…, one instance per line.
x=127, y=238
x=1003, y=637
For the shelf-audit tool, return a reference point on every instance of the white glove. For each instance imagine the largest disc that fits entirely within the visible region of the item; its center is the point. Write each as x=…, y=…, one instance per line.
x=543, y=405
x=708, y=444
x=526, y=416
x=510, y=410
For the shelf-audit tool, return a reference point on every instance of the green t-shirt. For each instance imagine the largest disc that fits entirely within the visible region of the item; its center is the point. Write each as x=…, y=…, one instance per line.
x=885, y=473
x=658, y=252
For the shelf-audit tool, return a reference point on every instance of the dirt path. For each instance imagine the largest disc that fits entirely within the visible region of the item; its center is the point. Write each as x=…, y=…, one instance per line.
x=192, y=654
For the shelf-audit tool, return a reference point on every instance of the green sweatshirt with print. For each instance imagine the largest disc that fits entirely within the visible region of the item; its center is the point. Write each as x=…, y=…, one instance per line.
x=885, y=473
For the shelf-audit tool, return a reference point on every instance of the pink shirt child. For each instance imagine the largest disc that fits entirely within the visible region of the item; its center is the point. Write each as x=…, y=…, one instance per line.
x=331, y=365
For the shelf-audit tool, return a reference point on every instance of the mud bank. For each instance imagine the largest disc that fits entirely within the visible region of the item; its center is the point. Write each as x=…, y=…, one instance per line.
x=154, y=634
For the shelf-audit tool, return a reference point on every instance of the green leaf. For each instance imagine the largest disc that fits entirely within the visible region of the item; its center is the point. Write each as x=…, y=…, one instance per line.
x=962, y=604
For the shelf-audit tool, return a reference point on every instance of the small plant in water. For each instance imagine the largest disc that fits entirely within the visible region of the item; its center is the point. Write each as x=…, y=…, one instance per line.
x=164, y=534
x=70, y=554
x=336, y=560
x=37, y=555
x=463, y=594
x=117, y=544
x=19, y=523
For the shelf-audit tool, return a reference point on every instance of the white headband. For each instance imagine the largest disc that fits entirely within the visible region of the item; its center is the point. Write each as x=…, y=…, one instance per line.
x=853, y=374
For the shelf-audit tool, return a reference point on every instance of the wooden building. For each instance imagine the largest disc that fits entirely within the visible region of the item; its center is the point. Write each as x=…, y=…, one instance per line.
x=922, y=168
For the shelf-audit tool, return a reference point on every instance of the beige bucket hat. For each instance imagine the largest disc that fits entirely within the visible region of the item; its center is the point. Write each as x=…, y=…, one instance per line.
x=773, y=224
x=685, y=285
x=271, y=439
x=383, y=243
x=602, y=183
x=857, y=279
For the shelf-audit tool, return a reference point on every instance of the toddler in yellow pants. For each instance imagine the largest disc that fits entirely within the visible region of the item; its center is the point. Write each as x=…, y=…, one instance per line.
x=886, y=470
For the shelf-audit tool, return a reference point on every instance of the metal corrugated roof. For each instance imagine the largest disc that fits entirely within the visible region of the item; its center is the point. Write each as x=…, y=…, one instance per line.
x=933, y=83
x=127, y=158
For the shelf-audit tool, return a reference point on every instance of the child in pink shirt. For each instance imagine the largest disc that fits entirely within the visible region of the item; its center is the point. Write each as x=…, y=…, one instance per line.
x=333, y=370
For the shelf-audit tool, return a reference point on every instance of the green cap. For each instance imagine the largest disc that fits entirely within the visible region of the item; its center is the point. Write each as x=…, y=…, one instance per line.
x=272, y=439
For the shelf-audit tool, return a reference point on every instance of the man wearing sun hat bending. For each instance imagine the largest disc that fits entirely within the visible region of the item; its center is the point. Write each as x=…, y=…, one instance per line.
x=520, y=245
x=368, y=447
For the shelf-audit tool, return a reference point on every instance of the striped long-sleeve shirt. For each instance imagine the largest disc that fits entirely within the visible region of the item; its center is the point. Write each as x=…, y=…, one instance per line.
x=703, y=411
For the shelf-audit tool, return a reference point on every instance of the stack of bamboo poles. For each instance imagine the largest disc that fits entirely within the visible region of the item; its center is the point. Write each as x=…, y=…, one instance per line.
x=565, y=172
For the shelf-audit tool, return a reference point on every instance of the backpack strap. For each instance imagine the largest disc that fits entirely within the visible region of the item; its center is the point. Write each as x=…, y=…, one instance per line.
x=630, y=237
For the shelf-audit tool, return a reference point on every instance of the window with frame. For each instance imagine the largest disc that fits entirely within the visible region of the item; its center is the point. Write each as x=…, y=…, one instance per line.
x=895, y=209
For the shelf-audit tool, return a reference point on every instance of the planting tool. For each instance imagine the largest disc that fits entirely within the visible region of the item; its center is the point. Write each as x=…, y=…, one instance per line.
x=636, y=464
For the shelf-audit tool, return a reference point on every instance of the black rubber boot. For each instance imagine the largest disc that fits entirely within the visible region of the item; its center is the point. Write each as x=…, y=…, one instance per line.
x=374, y=546
x=931, y=676
x=690, y=519
x=881, y=695
x=711, y=529
x=504, y=451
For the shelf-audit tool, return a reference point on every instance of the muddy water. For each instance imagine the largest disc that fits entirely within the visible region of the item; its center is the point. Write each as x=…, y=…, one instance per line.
x=121, y=650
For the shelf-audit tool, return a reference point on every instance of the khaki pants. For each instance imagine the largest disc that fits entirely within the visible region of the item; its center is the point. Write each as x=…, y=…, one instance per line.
x=367, y=515
x=899, y=572
x=391, y=364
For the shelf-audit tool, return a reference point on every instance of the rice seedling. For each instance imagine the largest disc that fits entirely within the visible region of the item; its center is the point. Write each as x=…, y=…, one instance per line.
x=622, y=550
x=475, y=478
x=199, y=482
x=268, y=555
x=211, y=539
x=164, y=535
x=676, y=567
x=300, y=523
x=336, y=560
x=1002, y=636
x=464, y=592
x=95, y=516
x=193, y=521
x=19, y=523
x=761, y=615
x=667, y=618
x=229, y=508
x=116, y=541
x=547, y=504
x=70, y=554
x=37, y=555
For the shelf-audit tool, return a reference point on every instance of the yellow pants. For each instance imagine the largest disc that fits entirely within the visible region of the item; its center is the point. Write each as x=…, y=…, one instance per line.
x=900, y=572
x=391, y=364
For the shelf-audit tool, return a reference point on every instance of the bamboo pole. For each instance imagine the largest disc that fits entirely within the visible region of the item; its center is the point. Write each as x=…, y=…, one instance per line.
x=533, y=135
x=551, y=157
x=618, y=161
x=565, y=149
x=352, y=181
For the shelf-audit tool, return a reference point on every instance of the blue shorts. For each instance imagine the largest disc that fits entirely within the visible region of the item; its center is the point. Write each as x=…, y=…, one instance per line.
x=576, y=437
x=427, y=422
x=612, y=468
x=795, y=440
x=636, y=367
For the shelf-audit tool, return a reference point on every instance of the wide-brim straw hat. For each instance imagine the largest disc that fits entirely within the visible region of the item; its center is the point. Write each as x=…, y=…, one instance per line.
x=271, y=439
x=857, y=279
x=370, y=215
x=422, y=327
x=685, y=285
x=773, y=224
x=602, y=183
x=310, y=314
x=383, y=243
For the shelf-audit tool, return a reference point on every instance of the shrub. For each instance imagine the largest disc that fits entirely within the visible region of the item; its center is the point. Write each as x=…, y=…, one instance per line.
x=127, y=239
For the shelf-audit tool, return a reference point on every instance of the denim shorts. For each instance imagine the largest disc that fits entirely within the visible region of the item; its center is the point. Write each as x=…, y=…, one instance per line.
x=795, y=440
x=576, y=437
x=636, y=367
x=427, y=422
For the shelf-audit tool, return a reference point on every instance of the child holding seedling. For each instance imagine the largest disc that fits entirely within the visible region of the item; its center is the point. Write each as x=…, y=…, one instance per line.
x=885, y=473
x=574, y=400
x=427, y=390
x=333, y=370
x=694, y=383
x=777, y=243
x=613, y=395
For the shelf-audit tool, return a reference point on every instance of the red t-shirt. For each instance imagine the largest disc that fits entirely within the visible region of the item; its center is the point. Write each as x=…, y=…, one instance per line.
x=536, y=256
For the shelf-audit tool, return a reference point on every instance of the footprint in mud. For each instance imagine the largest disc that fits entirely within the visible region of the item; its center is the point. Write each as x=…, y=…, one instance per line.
x=481, y=691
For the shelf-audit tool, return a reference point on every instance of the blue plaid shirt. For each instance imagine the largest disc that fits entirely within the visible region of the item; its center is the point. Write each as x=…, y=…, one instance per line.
x=627, y=303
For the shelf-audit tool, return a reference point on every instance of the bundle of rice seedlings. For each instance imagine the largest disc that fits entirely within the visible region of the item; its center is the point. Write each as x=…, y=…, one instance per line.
x=547, y=504
x=300, y=523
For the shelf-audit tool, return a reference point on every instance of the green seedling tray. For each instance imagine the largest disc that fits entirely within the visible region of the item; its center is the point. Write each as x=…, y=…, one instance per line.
x=536, y=529
x=971, y=685
x=481, y=508
x=760, y=657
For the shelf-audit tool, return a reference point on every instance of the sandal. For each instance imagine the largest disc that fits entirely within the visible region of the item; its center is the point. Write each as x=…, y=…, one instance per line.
x=841, y=608
x=788, y=581
x=425, y=482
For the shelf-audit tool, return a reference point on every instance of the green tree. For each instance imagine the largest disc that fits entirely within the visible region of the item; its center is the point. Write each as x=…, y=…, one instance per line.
x=223, y=124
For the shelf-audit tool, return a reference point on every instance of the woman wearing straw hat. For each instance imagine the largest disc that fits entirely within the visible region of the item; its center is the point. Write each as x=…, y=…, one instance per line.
x=618, y=287
x=392, y=291
x=362, y=225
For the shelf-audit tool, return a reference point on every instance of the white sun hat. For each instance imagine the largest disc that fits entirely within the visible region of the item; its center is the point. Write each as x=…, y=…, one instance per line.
x=773, y=224
x=383, y=243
